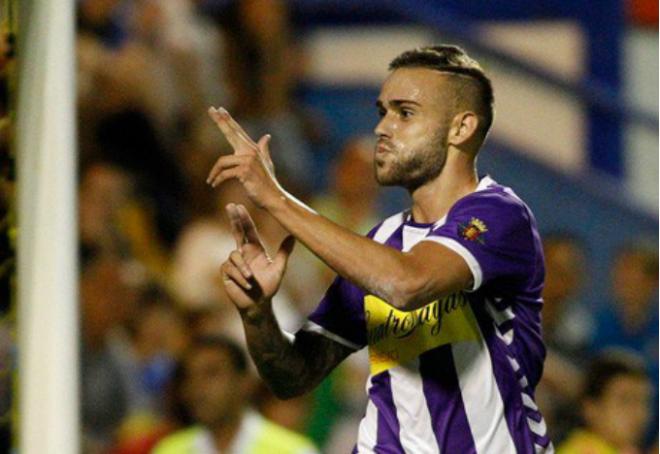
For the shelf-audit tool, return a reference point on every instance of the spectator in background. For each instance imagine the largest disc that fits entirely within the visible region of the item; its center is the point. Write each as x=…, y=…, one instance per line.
x=158, y=337
x=106, y=383
x=187, y=47
x=567, y=325
x=126, y=106
x=567, y=330
x=212, y=386
x=160, y=56
x=630, y=319
x=103, y=190
x=113, y=220
x=129, y=139
x=615, y=407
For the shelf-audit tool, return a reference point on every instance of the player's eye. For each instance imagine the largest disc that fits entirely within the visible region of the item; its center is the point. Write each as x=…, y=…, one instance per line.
x=406, y=113
x=381, y=113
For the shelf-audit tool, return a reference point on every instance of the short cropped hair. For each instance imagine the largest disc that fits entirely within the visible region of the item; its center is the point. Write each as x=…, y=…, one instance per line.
x=607, y=366
x=454, y=60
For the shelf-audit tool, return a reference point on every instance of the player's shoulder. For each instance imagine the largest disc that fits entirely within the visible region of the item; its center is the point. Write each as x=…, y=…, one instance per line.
x=493, y=198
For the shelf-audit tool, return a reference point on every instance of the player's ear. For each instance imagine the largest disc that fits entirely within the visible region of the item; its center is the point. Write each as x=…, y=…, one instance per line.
x=463, y=128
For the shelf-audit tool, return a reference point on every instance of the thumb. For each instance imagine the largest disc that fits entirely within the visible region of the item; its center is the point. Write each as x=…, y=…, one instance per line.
x=283, y=253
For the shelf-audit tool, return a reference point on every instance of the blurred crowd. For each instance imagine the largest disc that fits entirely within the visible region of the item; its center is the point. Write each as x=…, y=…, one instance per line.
x=163, y=359
x=153, y=234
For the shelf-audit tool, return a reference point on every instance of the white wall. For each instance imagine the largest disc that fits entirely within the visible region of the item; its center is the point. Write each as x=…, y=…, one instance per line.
x=641, y=89
x=542, y=122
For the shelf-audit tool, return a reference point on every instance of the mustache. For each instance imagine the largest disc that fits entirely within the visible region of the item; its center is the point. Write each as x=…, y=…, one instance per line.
x=385, y=144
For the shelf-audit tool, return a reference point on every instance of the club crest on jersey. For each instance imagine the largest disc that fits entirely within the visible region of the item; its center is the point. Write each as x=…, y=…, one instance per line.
x=473, y=230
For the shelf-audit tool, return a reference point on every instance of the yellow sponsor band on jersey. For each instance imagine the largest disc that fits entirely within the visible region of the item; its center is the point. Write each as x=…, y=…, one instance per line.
x=396, y=337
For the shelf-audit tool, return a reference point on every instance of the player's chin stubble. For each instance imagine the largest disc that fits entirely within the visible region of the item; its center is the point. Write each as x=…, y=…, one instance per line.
x=419, y=169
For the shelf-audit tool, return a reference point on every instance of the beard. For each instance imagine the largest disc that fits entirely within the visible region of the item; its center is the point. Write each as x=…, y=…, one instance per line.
x=413, y=168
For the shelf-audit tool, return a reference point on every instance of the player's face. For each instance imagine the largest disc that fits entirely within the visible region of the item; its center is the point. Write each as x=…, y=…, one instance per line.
x=415, y=117
x=212, y=388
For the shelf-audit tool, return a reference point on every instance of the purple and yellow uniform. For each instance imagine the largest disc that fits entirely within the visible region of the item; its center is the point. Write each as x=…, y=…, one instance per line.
x=457, y=375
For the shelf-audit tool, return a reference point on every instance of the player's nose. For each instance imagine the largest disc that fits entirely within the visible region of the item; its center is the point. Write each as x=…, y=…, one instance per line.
x=383, y=128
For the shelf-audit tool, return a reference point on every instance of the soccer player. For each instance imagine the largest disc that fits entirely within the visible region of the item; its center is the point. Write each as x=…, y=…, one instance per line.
x=446, y=295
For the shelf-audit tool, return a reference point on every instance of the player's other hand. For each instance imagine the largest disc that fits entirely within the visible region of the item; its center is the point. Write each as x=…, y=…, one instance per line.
x=250, y=163
x=249, y=275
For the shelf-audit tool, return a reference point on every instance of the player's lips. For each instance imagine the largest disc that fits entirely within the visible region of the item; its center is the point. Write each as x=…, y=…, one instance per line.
x=383, y=148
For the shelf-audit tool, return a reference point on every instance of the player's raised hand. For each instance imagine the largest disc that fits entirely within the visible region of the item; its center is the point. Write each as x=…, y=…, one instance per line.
x=250, y=163
x=249, y=275
x=238, y=138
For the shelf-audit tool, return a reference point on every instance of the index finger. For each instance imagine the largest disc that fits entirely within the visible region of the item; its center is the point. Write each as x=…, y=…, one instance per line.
x=247, y=225
x=238, y=129
x=236, y=226
x=220, y=122
x=234, y=133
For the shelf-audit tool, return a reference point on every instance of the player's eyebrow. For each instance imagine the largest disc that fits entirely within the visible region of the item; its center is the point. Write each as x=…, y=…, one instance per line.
x=397, y=103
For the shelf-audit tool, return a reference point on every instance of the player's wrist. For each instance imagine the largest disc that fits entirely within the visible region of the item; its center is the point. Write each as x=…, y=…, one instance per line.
x=277, y=201
x=258, y=313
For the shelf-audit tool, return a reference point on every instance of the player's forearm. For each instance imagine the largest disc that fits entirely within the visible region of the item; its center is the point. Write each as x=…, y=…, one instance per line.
x=381, y=270
x=279, y=363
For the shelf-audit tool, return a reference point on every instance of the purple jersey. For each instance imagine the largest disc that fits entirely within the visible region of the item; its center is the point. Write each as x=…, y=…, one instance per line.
x=457, y=375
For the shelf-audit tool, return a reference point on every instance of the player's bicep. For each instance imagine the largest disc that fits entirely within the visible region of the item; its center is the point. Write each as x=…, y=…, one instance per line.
x=436, y=271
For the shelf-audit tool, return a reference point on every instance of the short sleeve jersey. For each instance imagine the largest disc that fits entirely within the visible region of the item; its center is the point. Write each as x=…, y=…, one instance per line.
x=458, y=374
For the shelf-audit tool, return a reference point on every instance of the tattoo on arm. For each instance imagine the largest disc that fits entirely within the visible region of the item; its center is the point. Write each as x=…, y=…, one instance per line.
x=291, y=369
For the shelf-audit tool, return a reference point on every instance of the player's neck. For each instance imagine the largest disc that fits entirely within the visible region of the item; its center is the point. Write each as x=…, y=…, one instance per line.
x=433, y=200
